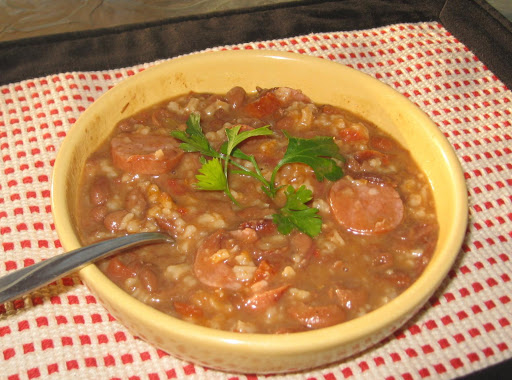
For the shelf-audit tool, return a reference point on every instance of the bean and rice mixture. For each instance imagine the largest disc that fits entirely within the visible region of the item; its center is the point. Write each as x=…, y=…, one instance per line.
x=230, y=268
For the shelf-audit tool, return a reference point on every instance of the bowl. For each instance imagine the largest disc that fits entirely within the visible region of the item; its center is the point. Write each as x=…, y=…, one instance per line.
x=324, y=82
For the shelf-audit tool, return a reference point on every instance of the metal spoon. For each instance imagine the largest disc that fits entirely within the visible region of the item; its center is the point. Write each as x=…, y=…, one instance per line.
x=34, y=276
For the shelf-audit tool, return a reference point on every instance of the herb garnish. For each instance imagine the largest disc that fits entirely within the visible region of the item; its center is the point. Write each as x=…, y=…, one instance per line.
x=319, y=153
x=295, y=214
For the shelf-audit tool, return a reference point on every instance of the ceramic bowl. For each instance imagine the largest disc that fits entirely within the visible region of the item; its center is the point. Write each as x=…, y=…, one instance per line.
x=324, y=82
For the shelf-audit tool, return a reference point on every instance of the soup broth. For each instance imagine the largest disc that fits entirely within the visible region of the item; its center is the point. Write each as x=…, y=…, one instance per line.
x=286, y=215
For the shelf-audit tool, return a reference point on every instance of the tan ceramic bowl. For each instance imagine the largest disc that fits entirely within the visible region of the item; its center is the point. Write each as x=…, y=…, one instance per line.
x=324, y=82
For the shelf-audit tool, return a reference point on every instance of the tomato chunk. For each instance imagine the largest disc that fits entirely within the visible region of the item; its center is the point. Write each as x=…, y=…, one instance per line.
x=266, y=105
x=262, y=301
x=366, y=208
x=187, y=310
x=354, y=133
x=145, y=154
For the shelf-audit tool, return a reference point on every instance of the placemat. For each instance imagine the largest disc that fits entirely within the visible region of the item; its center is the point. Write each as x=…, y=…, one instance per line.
x=61, y=331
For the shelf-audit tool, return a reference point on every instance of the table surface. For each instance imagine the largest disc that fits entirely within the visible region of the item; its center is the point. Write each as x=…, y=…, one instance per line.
x=61, y=331
x=23, y=19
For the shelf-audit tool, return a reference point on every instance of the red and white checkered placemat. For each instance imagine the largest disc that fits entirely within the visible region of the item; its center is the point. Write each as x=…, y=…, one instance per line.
x=62, y=332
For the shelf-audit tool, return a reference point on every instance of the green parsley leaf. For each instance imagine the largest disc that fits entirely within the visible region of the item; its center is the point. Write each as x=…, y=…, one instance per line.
x=229, y=148
x=193, y=138
x=296, y=214
x=212, y=176
x=317, y=152
x=235, y=138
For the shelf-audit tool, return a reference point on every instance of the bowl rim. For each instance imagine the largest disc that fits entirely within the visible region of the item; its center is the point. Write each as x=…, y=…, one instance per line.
x=407, y=302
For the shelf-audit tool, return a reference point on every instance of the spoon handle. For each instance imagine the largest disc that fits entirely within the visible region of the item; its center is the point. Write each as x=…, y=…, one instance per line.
x=34, y=276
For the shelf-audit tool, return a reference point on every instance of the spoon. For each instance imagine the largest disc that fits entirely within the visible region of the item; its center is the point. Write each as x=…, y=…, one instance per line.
x=34, y=276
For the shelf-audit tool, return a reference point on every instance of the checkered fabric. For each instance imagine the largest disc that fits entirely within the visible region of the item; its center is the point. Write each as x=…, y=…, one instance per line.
x=61, y=332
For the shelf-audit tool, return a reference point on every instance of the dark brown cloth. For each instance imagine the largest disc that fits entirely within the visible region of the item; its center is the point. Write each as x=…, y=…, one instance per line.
x=134, y=44
x=484, y=30
x=474, y=22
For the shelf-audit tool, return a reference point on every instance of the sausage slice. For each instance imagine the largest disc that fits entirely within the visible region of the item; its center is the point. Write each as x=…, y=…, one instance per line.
x=366, y=208
x=145, y=154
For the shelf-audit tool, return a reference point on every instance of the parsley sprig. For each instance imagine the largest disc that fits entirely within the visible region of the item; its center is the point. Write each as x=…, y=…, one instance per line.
x=296, y=214
x=320, y=153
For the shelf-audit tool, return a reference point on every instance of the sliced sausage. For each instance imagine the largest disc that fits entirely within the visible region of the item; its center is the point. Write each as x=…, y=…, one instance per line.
x=211, y=267
x=145, y=154
x=215, y=260
x=366, y=208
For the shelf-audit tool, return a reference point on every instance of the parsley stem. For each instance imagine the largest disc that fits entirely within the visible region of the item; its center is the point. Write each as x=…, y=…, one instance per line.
x=230, y=196
x=256, y=174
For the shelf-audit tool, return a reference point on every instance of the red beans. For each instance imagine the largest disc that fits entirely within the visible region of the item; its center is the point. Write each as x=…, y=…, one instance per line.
x=315, y=317
x=236, y=97
x=117, y=269
x=384, y=144
x=351, y=299
x=365, y=155
x=100, y=191
x=262, y=226
x=98, y=213
x=113, y=220
x=148, y=278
